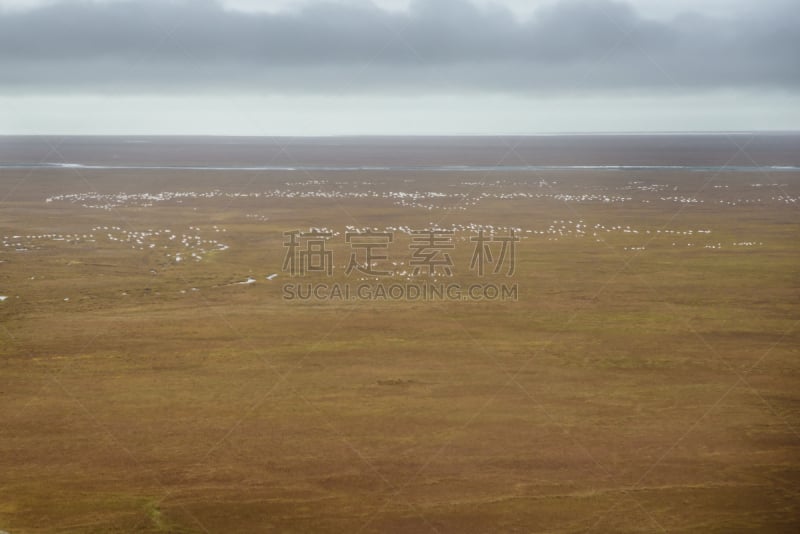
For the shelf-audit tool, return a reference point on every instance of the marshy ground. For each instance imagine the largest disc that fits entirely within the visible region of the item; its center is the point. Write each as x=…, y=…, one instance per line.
x=644, y=380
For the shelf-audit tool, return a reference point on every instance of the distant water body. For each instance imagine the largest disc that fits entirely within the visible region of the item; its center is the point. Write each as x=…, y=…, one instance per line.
x=412, y=168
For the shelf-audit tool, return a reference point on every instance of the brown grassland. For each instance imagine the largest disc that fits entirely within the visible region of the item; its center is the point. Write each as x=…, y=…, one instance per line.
x=626, y=390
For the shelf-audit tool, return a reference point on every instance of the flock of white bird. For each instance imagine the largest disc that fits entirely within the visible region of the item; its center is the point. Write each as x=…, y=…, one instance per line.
x=194, y=244
x=556, y=230
x=470, y=195
x=176, y=246
x=191, y=245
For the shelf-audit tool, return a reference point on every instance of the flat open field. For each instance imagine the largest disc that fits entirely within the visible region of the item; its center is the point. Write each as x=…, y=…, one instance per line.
x=154, y=376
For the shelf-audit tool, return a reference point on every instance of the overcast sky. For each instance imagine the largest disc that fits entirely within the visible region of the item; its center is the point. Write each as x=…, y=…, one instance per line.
x=311, y=67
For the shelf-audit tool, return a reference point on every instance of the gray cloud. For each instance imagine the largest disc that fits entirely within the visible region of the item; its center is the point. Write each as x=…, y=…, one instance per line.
x=443, y=45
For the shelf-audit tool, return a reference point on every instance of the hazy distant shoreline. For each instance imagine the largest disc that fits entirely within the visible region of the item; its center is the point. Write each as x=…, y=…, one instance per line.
x=402, y=168
x=767, y=152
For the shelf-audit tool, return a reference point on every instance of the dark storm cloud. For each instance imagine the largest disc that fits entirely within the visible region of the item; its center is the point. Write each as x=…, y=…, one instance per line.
x=438, y=45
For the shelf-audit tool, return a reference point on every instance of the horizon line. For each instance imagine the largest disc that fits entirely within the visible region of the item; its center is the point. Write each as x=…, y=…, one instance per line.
x=511, y=134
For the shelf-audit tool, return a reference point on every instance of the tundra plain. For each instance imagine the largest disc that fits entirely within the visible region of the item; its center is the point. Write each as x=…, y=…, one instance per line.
x=645, y=379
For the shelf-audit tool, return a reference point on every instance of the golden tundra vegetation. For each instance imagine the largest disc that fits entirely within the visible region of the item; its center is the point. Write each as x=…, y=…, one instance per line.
x=645, y=379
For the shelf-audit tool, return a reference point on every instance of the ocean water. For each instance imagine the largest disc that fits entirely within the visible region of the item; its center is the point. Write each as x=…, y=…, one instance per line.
x=413, y=168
